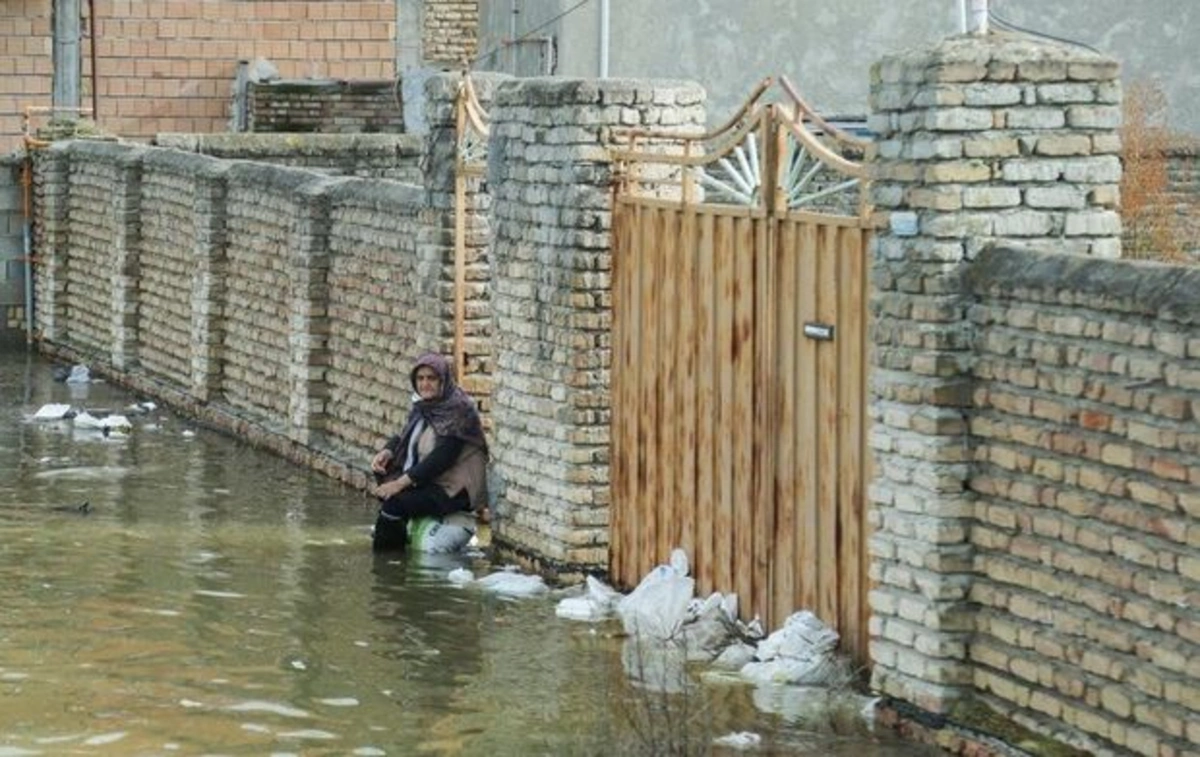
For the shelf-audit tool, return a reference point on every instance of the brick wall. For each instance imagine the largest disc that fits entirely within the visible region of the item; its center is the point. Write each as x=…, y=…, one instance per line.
x=438, y=278
x=375, y=244
x=91, y=224
x=378, y=156
x=169, y=65
x=1183, y=187
x=25, y=63
x=168, y=263
x=257, y=296
x=1088, y=465
x=451, y=32
x=1034, y=548
x=12, y=250
x=551, y=299
x=331, y=107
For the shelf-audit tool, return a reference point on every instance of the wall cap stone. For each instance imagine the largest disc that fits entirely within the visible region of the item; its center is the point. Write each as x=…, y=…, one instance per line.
x=1137, y=287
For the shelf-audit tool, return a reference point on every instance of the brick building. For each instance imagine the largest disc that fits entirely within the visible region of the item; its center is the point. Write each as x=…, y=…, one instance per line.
x=169, y=65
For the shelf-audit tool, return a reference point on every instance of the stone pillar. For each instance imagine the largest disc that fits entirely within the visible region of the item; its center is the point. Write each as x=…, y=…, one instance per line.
x=435, y=265
x=126, y=210
x=549, y=175
x=51, y=187
x=308, y=270
x=208, y=283
x=979, y=140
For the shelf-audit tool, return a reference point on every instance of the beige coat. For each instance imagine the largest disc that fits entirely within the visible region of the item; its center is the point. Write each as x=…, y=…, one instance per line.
x=469, y=471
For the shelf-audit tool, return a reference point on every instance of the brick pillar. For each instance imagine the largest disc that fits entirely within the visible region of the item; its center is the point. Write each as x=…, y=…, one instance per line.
x=126, y=209
x=436, y=259
x=549, y=175
x=308, y=269
x=51, y=187
x=980, y=139
x=208, y=283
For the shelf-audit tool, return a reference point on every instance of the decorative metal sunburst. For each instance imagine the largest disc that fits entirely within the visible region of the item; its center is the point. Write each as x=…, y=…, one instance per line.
x=737, y=177
x=801, y=178
x=738, y=181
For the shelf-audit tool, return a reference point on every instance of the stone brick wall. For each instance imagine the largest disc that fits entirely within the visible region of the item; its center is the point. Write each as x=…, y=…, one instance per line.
x=374, y=156
x=438, y=276
x=1013, y=141
x=1034, y=547
x=12, y=250
x=549, y=178
x=375, y=243
x=1087, y=465
x=168, y=264
x=276, y=221
x=451, y=32
x=980, y=141
x=331, y=107
x=97, y=223
x=1183, y=187
x=284, y=303
x=50, y=201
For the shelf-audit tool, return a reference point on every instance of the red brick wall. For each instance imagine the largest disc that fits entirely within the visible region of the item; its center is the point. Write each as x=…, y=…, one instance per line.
x=168, y=65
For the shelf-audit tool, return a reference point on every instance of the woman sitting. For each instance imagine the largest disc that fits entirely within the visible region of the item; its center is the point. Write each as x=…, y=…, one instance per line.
x=437, y=464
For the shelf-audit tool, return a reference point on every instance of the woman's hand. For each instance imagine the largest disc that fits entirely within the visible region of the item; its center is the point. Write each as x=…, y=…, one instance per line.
x=380, y=461
x=392, y=488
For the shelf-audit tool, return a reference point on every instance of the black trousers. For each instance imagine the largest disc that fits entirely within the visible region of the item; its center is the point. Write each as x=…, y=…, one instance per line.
x=426, y=500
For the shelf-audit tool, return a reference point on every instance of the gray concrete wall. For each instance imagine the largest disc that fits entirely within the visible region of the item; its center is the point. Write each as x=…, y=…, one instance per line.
x=728, y=45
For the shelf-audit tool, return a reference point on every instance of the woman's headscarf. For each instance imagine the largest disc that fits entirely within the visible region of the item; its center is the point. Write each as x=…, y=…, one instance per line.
x=452, y=413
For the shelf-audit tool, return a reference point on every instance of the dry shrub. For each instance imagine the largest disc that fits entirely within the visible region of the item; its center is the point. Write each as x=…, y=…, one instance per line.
x=1150, y=213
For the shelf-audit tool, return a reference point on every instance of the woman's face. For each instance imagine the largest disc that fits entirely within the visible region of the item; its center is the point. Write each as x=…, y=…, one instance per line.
x=429, y=384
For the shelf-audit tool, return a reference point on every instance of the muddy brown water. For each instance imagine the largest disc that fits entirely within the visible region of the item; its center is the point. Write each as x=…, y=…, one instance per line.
x=217, y=600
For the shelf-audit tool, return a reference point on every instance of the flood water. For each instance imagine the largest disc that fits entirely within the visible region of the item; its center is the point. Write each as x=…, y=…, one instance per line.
x=217, y=600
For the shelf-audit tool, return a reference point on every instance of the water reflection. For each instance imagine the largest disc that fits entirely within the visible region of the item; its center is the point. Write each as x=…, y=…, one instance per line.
x=218, y=600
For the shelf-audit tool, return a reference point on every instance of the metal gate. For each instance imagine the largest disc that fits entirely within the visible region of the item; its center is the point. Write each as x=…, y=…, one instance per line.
x=739, y=362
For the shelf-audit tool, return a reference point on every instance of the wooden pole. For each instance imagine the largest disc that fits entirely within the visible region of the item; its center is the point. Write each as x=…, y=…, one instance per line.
x=460, y=238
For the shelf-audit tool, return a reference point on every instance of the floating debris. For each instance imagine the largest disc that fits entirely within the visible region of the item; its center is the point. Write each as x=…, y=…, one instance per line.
x=53, y=412
x=739, y=740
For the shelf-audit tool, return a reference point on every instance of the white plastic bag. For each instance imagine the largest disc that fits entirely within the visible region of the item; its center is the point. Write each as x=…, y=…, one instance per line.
x=596, y=603
x=803, y=635
x=708, y=630
x=818, y=670
x=659, y=605
x=512, y=584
